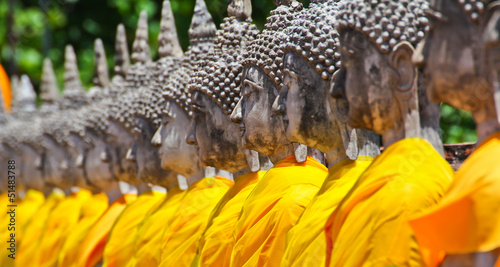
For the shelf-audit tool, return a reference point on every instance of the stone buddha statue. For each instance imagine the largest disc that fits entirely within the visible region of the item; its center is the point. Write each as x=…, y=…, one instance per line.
x=58, y=169
x=264, y=131
x=289, y=58
x=378, y=85
x=149, y=102
x=117, y=136
x=23, y=109
x=78, y=143
x=458, y=56
x=205, y=190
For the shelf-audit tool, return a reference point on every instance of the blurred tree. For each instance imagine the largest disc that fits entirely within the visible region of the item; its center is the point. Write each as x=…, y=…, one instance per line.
x=36, y=29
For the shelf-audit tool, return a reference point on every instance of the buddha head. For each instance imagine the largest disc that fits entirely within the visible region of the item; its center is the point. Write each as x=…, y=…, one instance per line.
x=146, y=122
x=309, y=62
x=215, y=91
x=11, y=149
x=261, y=129
x=120, y=138
x=57, y=171
x=175, y=110
x=462, y=74
x=377, y=79
x=102, y=164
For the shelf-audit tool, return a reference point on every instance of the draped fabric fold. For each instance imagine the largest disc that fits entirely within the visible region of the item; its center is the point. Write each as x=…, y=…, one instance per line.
x=216, y=243
x=92, y=246
x=370, y=226
x=272, y=209
x=93, y=208
x=62, y=220
x=28, y=248
x=306, y=241
x=147, y=250
x=180, y=239
x=467, y=219
x=119, y=249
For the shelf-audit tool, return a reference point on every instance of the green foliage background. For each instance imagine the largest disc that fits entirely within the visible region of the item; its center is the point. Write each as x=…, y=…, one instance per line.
x=41, y=28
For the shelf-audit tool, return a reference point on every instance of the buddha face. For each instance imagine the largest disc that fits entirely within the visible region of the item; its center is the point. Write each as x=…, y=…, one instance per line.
x=78, y=148
x=120, y=141
x=56, y=164
x=174, y=152
x=369, y=79
x=32, y=169
x=146, y=155
x=453, y=58
x=98, y=163
x=215, y=137
x=305, y=104
x=260, y=129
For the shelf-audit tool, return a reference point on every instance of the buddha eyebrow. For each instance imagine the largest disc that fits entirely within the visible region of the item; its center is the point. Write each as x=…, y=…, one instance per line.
x=253, y=85
x=292, y=73
x=199, y=108
x=435, y=15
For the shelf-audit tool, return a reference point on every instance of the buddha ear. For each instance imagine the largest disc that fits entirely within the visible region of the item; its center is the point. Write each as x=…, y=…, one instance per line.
x=350, y=140
x=400, y=60
x=252, y=159
x=300, y=152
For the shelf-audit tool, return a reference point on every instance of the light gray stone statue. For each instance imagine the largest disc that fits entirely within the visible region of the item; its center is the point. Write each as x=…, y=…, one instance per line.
x=308, y=63
x=379, y=89
x=459, y=57
x=170, y=137
x=215, y=92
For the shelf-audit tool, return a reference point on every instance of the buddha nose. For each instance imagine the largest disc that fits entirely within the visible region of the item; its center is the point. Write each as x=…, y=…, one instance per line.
x=156, y=141
x=418, y=58
x=79, y=161
x=278, y=107
x=236, y=115
x=131, y=154
x=337, y=89
x=190, y=136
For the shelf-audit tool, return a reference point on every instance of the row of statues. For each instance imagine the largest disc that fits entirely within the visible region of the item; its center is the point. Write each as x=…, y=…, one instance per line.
x=263, y=148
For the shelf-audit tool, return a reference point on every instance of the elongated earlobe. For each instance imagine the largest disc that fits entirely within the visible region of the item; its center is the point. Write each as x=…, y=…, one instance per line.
x=252, y=159
x=401, y=60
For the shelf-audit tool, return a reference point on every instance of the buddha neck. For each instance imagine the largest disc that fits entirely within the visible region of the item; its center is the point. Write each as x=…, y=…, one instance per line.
x=172, y=185
x=238, y=174
x=200, y=174
x=282, y=153
x=335, y=156
x=113, y=192
x=409, y=126
x=143, y=187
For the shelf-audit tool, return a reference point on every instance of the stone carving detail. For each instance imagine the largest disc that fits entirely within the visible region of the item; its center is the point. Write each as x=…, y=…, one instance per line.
x=385, y=23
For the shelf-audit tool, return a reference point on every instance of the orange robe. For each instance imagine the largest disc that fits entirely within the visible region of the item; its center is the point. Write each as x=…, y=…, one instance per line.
x=370, y=226
x=60, y=223
x=5, y=89
x=272, y=209
x=180, y=239
x=92, y=246
x=119, y=248
x=467, y=219
x=94, y=207
x=306, y=241
x=147, y=250
x=28, y=248
x=216, y=243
